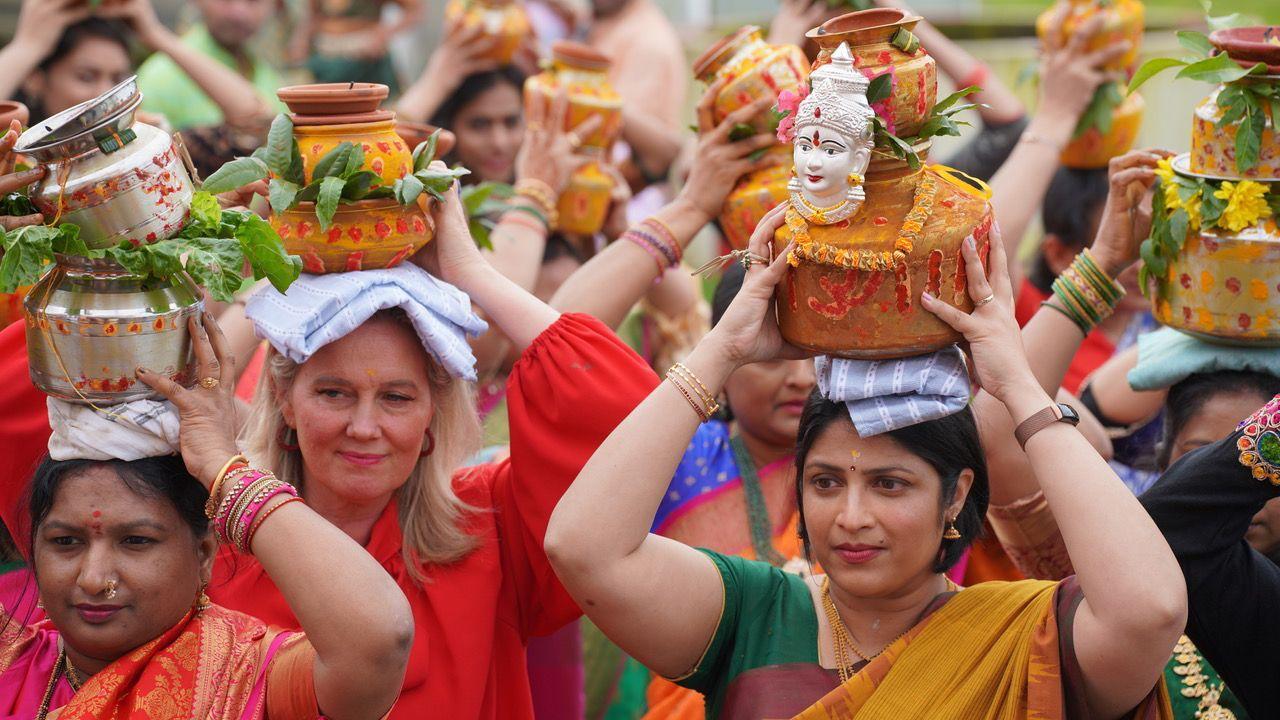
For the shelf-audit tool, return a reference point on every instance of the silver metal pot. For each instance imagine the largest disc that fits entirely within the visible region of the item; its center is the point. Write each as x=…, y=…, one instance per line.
x=118, y=180
x=90, y=324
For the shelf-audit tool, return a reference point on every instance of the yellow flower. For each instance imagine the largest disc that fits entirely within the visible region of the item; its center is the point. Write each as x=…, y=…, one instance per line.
x=1246, y=204
x=1164, y=170
x=1192, y=206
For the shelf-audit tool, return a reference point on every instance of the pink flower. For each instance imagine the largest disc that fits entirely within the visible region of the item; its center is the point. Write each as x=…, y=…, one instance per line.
x=789, y=100
x=786, y=129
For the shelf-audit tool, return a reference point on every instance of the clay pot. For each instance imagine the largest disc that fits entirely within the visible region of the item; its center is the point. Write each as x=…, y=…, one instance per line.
x=842, y=311
x=755, y=69
x=333, y=98
x=1250, y=45
x=1213, y=149
x=1094, y=149
x=504, y=20
x=756, y=194
x=869, y=32
x=583, y=72
x=365, y=235
x=1122, y=20
x=385, y=152
x=584, y=205
x=414, y=134
x=11, y=110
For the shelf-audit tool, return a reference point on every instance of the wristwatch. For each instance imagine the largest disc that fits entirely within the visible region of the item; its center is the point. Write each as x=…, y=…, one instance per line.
x=1060, y=412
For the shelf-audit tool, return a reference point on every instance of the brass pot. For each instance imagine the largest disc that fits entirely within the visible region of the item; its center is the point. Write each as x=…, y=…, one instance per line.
x=90, y=325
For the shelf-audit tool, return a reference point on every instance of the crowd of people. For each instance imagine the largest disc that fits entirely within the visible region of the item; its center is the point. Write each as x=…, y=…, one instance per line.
x=481, y=500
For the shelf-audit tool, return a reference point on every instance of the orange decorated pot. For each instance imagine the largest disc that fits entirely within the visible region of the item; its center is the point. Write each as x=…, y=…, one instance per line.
x=877, y=39
x=385, y=153
x=756, y=194
x=1094, y=149
x=505, y=21
x=584, y=205
x=753, y=69
x=1122, y=21
x=365, y=235
x=829, y=302
x=414, y=134
x=583, y=73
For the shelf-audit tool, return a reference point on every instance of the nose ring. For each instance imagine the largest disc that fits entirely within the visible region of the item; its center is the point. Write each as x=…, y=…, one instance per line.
x=111, y=589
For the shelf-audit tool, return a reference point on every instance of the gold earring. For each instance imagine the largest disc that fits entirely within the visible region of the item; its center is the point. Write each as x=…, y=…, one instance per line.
x=202, y=601
x=951, y=532
x=854, y=179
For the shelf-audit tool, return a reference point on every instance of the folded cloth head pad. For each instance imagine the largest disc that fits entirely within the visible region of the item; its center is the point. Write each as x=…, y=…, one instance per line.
x=129, y=431
x=319, y=309
x=884, y=395
x=1166, y=357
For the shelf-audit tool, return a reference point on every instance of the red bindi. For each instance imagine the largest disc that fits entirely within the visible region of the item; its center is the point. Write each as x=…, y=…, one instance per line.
x=97, y=513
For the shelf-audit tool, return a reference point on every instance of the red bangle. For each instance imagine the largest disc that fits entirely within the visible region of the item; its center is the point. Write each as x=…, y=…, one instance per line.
x=257, y=523
x=978, y=76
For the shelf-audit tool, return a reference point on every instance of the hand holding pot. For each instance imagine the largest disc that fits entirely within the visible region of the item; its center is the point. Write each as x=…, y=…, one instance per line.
x=140, y=16
x=1126, y=219
x=452, y=255
x=461, y=53
x=12, y=182
x=41, y=23
x=719, y=161
x=991, y=331
x=205, y=436
x=1069, y=73
x=548, y=153
x=795, y=18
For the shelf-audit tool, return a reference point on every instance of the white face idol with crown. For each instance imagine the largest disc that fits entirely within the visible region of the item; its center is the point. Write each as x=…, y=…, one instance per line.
x=834, y=138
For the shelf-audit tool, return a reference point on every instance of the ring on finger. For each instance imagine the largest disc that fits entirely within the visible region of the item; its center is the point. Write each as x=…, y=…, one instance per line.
x=984, y=301
x=209, y=383
x=748, y=258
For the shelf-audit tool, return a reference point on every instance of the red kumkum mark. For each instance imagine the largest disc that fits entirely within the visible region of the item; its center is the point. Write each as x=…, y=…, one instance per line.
x=845, y=295
x=1233, y=284
x=1244, y=320
x=791, y=293
x=1185, y=281
x=1186, y=313
x=400, y=256
x=961, y=281
x=880, y=220
x=355, y=261
x=934, y=284
x=903, y=290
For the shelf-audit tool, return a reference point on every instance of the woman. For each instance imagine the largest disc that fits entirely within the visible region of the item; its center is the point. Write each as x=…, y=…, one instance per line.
x=65, y=52
x=873, y=512
x=375, y=442
x=122, y=553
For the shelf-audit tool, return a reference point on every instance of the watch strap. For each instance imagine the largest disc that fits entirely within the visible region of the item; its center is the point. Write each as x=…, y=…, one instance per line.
x=1034, y=424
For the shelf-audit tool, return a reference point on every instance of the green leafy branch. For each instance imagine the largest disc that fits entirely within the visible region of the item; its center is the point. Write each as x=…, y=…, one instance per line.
x=941, y=122
x=212, y=248
x=1101, y=109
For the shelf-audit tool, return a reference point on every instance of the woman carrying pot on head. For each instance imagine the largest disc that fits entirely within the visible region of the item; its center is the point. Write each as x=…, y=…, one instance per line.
x=122, y=541
x=375, y=442
x=883, y=629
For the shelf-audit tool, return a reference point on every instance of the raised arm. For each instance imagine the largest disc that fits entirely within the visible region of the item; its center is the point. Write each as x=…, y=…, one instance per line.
x=234, y=95
x=357, y=675
x=40, y=26
x=616, y=278
x=1135, y=603
x=461, y=53
x=659, y=600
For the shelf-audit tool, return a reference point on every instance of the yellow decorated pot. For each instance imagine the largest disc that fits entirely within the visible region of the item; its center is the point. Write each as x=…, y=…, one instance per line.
x=1213, y=149
x=385, y=152
x=583, y=74
x=756, y=194
x=753, y=69
x=365, y=235
x=828, y=304
x=1094, y=149
x=1122, y=21
x=584, y=205
x=505, y=21
x=872, y=35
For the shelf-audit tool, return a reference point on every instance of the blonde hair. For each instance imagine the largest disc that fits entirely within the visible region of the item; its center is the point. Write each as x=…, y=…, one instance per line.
x=431, y=513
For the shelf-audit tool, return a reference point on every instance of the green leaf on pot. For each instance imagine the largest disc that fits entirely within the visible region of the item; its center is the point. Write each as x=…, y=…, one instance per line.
x=68, y=242
x=438, y=182
x=1217, y=69
x=358, y=185
x=426, y=151
x=310, y=192
x=26, y=250
x=354, y=161
x=1211, y=206
x=235, y=175
x=280, y=145
x=332, y=163
x=265, y=252
x=17, y=204
x=943, y=105
x=214, y=263
x=1179, y=226
x=1235, y=102
x=1249, y=138
x=879, y=88
x=206, y=213
x=382, y=192
x=1196, y=42
x=327, y=201
x=1150, y=69
x=282, y=195
x=740, y=131
x=297, y=173
x=407, y=189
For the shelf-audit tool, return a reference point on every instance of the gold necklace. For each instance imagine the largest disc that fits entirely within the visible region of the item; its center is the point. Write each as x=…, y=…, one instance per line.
x=841, y=637
x=53, y=681
x=73, y=675
x=819, y=214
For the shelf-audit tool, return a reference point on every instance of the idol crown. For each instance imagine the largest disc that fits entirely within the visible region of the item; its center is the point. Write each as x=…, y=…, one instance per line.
x=838, y=99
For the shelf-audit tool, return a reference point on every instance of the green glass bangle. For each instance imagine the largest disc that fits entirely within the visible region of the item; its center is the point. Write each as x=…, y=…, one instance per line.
x=1074, y=320
x=536, y=213
x=1077, y=299
x=1113, y=290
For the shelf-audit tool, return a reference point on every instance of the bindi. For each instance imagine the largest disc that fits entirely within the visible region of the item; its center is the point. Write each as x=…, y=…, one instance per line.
x=855, y=455
x=96, y=523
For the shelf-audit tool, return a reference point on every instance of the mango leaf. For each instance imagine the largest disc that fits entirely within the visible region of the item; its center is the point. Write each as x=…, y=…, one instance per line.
x=407, y=189
x=335, y=158
x=235, y=175
x=1151, y=68
x=1249, y=138
x=279, y=145
x=942, y=105
x=1196, y=42
x=327, y=202
x=282, y=195
x=354, y=162
x=880, y=88
x=740, y=131
x=26, y=250
x=214, y=263
x=266, y=254
x=426, y=151
x=382, y=192
x=1217, y=69
x=358, y=185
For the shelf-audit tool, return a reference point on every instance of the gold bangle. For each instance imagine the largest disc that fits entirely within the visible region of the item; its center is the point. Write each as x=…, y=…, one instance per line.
x=707, y=398
x=210, y=506
x=702, y=414
x=538, y=191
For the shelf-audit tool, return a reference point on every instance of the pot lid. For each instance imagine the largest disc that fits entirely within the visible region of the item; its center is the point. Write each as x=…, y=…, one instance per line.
x=579, y=55
x=109, y=135
x=86, y=116
x=1250, y=45
x=349, y=98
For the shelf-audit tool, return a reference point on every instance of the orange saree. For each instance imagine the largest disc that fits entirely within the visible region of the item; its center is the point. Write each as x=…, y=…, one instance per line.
x=214, y=665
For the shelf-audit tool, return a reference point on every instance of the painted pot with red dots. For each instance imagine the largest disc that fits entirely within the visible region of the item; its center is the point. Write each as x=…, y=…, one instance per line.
x=326, y=115
x=582, y=73
x=583, y=206
x=882, y=41
x=90, y=324
x=829, y=304
x=753, y=197
x=364, y=235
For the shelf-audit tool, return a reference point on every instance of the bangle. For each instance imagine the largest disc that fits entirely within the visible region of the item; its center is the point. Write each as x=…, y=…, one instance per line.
x=702, y=414
x=1103, y=281
x=229, y=497
x=539, y=192
x=531, y=221
x=709, y=405
x=658, y=259
x=665, y=230
x=1084, y=328
x=236, y=460
x=673, y=259
x=261, y=518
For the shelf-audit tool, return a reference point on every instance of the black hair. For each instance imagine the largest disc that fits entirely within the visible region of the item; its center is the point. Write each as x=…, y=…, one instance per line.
x=949, y=445
x=726, y=290
x=158, y=477
x=472, y=87
x=90, y=28
x=558, y=246
x=1188, y=397
x=1073, y=200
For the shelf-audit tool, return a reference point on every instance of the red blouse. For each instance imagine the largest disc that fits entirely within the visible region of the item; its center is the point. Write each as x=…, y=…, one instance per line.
x=24, y=427
x=1096, y=349
x=567, y=392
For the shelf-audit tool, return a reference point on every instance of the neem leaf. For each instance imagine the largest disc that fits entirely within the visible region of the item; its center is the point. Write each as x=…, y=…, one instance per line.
x=297, y=173
x=1196, y=42
x=282, y=195
x=327, y=201
x=880, y=87
x=1217, y=69
x=407, y=189
x=279, y=145
x=26, y=250
x=438, y=182
x=337, y=157
x=426, y=151
x=942, y=105
x=1150, y=69
x=1249, y=138
x=266, y=254
x=235, y=175
x=359, y=184
x=354, y=162
x=310, y=192
x=382, y=192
